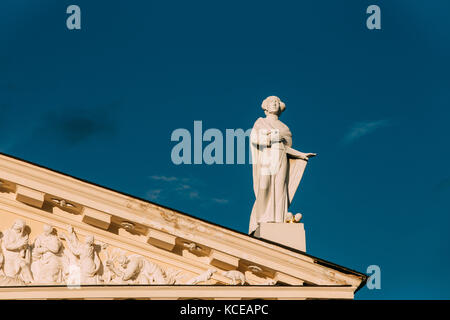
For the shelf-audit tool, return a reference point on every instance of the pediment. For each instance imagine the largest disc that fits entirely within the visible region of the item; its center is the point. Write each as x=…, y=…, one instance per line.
x=169, y=247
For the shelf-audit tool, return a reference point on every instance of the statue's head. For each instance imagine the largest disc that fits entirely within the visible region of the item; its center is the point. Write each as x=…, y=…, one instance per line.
x=273, y=105
x=89, y=240
x=47, y=229
x=122, y=260
x=19, y=226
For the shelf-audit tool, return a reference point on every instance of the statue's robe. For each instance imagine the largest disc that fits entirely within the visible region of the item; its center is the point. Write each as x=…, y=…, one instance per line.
x=46, y=266
x=277, y=171
x=17, y=262
x=88, y=260
x=141, y=271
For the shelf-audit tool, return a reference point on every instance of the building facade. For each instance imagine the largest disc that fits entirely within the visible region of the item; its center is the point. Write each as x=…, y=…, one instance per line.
x=64, y=238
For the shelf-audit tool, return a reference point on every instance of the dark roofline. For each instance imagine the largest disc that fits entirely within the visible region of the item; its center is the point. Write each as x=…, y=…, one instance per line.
x=316, y=260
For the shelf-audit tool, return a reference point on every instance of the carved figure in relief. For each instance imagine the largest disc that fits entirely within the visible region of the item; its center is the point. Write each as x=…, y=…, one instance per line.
x=16, y=252
x=47, y=266
x=270, y=282
x=138, y=270
x=4, y=280
x=237, y=277
x=192, y=247
x=88, y=260
x=205, y=276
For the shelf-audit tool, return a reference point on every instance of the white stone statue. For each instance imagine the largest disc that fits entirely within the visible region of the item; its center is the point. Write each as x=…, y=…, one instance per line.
x=277, y=168
x=16, y=253
x=203, y=277
x=88, y=260
x=236, y=277
x=136, y=269
x=269, y=282
x=47, y=266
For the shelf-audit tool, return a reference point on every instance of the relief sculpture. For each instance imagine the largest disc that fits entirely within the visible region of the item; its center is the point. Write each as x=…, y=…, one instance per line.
x=136, y=269
x=17, y=253
x=47, y=265
x=86, y=256
x=55, y=259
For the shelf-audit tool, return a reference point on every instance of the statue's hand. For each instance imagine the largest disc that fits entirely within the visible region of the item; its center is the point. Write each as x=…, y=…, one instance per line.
x=306, y=156
x=275, y=136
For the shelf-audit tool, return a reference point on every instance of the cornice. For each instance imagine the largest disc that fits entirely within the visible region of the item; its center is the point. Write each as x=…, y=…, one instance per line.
x=178, y=292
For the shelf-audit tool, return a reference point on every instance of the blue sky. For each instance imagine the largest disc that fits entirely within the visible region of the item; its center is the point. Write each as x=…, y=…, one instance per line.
x=101, y=103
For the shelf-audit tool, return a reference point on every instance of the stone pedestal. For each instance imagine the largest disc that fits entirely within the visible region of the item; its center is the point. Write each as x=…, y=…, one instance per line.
x=288, y=234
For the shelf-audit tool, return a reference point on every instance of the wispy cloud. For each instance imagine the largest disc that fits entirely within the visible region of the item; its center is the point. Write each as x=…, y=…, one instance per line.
x=153, y=194
x=182, y=187
x=220, y=201
x=193, y=194
x=164, y=178
x=169, y=185
x=360, y=129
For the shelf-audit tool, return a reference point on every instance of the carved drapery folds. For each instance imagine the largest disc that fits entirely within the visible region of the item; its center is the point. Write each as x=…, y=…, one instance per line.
x=135, y=269
x=236, y=277
x=47, y=258
x=203, y=277
x=16, y=253
x=55, y=259
x=83, y=258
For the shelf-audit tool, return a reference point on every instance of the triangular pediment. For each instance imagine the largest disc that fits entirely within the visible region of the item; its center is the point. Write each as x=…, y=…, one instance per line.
x=169, y=247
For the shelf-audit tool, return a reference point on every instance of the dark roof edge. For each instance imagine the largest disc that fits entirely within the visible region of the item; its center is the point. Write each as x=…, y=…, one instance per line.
x=316, y=260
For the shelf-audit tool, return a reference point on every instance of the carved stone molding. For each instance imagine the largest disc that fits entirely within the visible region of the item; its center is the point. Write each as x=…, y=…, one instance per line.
x=29, y=196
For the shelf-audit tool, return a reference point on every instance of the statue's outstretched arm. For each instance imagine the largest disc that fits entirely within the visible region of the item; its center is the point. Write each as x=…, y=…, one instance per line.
x=298, y=154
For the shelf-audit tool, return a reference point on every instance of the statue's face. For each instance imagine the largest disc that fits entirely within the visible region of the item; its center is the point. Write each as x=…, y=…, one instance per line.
x=89, y=240
x=273, y=106
x=47, y=230
x=18, y=227
x=123, y=261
